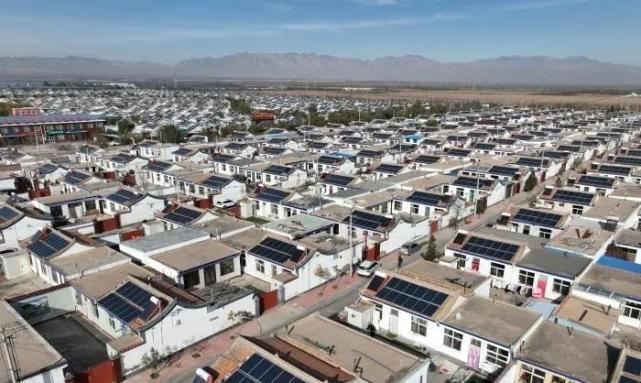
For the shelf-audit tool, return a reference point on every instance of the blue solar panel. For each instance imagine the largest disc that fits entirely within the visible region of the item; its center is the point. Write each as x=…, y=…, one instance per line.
x=507, y=171
x=55, y=241
x=272, y=195
x=539, y=218
x=427, y=159
x=278, y=170
x=181, y=152
x=74, y=177
x=484, y=146
x=634, y=152
x=532, y=162
x=625, y=379
x=129, y=302
x=216, y=182
x=48, y=245
x=120, y=308
x=7, y=214
x=489, y=248
x=615, y=170
x=472, y=183
x=574, y=197
x=389, y=168
x=122, y=158
x=632, y=365
x=412, y=297
x=424, y=198
x=277, y=251
x=369, y=153
x=368, y=221
x=123, y=197
x=48, y=168
x=135, y=294
x=259, y=370
x=183, y=215
x=158, y=166
x=459, y=152
x=626, y=160
x=336, y=179
x=330, y=160
x=599, y=182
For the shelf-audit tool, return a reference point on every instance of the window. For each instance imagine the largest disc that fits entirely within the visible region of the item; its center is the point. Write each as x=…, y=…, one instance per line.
x=460, y=261
x=90, y=205
x=558, y=379
x=353, y=232
x=577, y=209
x=632, y=310
x=94, y=309
x=112, y=206
x=526, y=229
x=227, y=266
x=191, y=279
x=274, y=209
x=192, y=188
x=398, y=205
x=414, y=208
x=274, y=270
x=452, y=339
x=201, y=190
x=545, y=233
x=43, y=267
x=379, y=310
x=531, y=375
x=560, y=286
x=497, y=356
x=54, y=276
x=526, y=278
x=497, y=270
x=419, y=326
x=112, y=322
x=78, y=297
x=260, y=266
x=210, y=275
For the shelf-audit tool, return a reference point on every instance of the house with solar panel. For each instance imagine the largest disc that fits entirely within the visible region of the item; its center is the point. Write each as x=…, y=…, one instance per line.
x=153, y=150
x=244, y=150
x=18, y=224
x=222, y=164
x=141, y=312
x=160, y=173
x=275, y=203
x=183, y=215
x=625, y=174
x=628, y=367
x=320, y=147
x=286, y=177
x=331, y=183
x=130, y=206
x=122, y=163
x=367, y=157
x=88, y=153
x=543, y=223
x=438, y=208
x=384, y=170
x=267, y=152
x=189, y=154
x=472, y=189
x=219, y=187
x=49, y=173
x=544, y=168
x=567, y=201
x=75, y=180
x=401, y=152
x=332, y=164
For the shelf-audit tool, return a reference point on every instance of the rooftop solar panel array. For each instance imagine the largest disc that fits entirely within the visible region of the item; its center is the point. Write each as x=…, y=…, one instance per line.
x=539, y=218
x=278, y=169
x=48, y=168
x=337, y=179
x=532, y=162
x=158, y=166
x=424, y=198
x=472, y=182
x=329, y=160
x=427, y=159
x=272, y=195
x=259, y=370
x=615, y=170
x=389, y=168
x=369, y=153
x=625, y=379
x=48, y=245
x=123, y=197
x=73, y=177
x=128, y=302
x=503, y=170
x=367, y=220
x=216, y=182
x=490, y=248
x=183, y=215
x=596, y=181
x=632, y=365
x=459, y=152
x=568, y=148
x=412, y=297
x=402, y=148
x=571, y=196
x=277, y=251
x=634, y=152
x=122, y=158
x=7, y=214
x=484, y=146
x=181, y=152
x=627, y=160
x=375, y=283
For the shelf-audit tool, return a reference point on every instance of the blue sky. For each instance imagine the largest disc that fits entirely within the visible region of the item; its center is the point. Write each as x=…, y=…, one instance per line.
x=445, y=30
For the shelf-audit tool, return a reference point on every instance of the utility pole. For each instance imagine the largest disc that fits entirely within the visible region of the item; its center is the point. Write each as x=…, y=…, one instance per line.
x=351, y=243
x=9, y=353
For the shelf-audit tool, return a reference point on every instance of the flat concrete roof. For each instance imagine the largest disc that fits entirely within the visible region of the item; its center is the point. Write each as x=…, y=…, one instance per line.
x=223, y=226
x=326, y=243
x=428, y=183
x=571, y=352
x=629, y=237
x=165, y=239
x=614, y=280
x=374, y=199
x=612, y=207
x=33, y=353
x=588, y=313
x=445, y=276
x=379, y=361
x=581, y=240
x=98, y=284
x=22, y=285
x=495, y=321
x=298, y=225
x=196, y=255
x=96, y=258
x=555, y=262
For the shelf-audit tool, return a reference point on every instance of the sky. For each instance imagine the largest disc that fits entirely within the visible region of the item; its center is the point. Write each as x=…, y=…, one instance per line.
x=445, y=30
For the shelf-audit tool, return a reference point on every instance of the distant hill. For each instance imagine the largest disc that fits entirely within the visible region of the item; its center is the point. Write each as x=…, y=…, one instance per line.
x=510, y=70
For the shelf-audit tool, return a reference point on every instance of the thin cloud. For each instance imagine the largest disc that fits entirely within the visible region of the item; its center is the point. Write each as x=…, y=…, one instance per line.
x=316, y=26
x=540, y=4
x=380, y=3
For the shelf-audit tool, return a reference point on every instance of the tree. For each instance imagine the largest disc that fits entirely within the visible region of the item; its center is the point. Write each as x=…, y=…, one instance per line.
x=430, y=252
x=558, y=182
x=530, y=183
x=125, y=127
x=5, y=107
x=169, y=133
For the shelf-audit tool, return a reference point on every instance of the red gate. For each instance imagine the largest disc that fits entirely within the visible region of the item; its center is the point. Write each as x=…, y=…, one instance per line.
x=268, y=300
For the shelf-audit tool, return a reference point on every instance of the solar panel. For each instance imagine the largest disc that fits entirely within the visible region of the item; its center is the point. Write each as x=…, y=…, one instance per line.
x=412, y=297
x=128, y=302
x=49, y=245
x=369, y=153
x=158, y=166
x=625, y=379
x=600, y=182
x=259, y=370
x=182, y=152
x=123, y=197
x=532, y=162
x=367, y=220
x=424, y=198
x=472, y=183
x=626, y=160
x=74, y=177
x=459, y=152
x=55, y=241
x=7, y=214
x=277, y=251
x=329, y=160
x=135, y=294
x=490, y=248
x=505, y=141
x=272, y=195
x=122, y=158
x=634, y=152
x=571, y=196
x=389, y=168
x=568, y=148
x=216, y=182
x=48, y=168
x=615, y=170
x=484, y=146
x=539, y=218
x=375, y=283
x=337, y=179
x=460, y=238
x=427, y=159
x=504, y=170
x=402, y=148
x=183, y=215
x=632, y=365
x=119, y=307
x=278, y=169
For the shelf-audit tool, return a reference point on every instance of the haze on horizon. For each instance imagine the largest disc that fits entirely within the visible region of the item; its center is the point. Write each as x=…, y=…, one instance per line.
x=448, y=31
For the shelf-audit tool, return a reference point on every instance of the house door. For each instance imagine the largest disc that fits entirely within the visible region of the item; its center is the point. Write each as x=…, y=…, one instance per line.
x=393, y=322
x=474, y=354
x=476, y=264
x=541, y=284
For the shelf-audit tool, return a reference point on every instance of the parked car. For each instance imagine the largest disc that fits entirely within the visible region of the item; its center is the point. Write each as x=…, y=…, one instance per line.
x=225, y=204
x=411, y=248
x=367, y=268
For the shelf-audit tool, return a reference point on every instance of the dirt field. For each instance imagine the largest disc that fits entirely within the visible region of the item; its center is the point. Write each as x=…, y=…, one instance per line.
x=507, y=97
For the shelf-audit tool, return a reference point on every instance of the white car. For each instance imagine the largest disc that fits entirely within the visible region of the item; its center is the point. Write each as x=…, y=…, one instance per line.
x=225, y=204
x=367, y=268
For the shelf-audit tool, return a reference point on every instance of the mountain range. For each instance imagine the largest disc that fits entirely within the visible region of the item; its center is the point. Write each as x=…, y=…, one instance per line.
x=508, y=70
